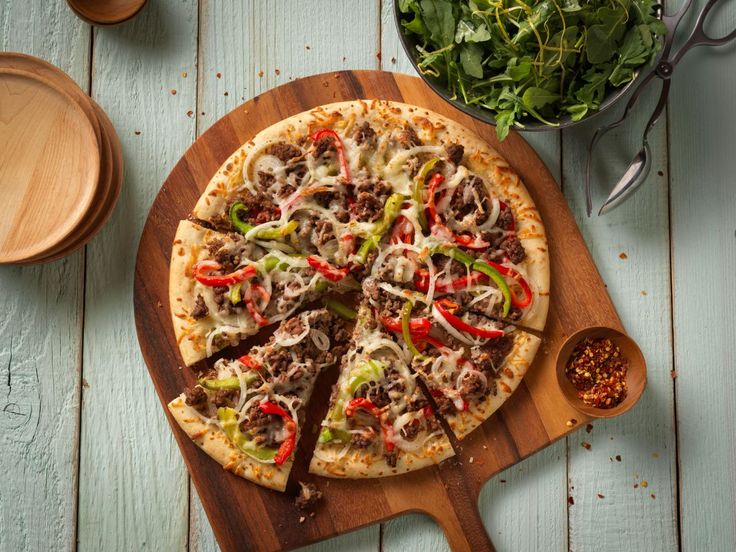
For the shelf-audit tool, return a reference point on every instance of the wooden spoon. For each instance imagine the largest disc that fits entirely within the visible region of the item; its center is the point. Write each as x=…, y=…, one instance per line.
x=106, y=12
x=636, y=377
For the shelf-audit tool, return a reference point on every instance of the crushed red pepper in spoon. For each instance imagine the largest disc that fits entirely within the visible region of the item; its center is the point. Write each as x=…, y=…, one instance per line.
x=598, y=371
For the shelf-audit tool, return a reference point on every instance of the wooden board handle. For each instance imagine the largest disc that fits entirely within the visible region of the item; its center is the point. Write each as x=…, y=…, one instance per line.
x=464, y=529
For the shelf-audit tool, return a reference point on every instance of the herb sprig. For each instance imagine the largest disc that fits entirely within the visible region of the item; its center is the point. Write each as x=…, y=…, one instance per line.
x=539, y=59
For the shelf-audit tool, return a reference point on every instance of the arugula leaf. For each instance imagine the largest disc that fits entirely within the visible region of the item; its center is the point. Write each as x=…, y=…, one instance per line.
x=468, y=33
x=437, y=16
x=470, y=57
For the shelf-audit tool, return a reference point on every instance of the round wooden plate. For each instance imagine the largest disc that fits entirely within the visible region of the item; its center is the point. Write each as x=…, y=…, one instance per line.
x=100, y=212
x=49, y=164
x=245, y=516
x=106, y=12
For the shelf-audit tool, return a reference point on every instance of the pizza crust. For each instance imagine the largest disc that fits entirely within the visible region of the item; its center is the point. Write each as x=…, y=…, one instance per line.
x=329, y=461
x=215, y=443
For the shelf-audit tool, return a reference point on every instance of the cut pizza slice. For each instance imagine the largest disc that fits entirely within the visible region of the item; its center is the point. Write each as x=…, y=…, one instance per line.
x=470, y=362
x=470, y=382
x=379, y=422
x=248, y=413
x=223, y=288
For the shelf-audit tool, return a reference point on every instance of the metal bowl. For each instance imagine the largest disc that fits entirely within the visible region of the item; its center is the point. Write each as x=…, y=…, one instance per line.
x=485, y=115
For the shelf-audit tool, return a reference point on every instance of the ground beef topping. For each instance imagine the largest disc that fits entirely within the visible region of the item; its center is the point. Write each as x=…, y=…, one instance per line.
x=365, y=134
x=284, y=151
x=262, y=428
x=370, y=196
x=455, y=153
x=200, y=309
x=196, y=398
x=513, y=249
x=489, y=358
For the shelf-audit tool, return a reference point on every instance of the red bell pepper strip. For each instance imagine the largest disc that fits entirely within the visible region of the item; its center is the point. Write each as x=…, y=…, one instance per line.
x=444, y=306
x=250, y=304
x=367, y=405
x=287, y=447
x=519, y=279
x=203, y=268
x=434, y=219
x=250, y=362
x=339, y=146
x=403, y=231
x=326, y=269
x=418, y=327
x=421, y=282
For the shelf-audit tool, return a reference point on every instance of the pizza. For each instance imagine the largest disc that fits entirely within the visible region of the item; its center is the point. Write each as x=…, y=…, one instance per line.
x=389, y=206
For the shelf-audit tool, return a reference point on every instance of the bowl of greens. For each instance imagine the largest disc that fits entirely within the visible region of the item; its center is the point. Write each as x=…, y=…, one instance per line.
x=533, y=64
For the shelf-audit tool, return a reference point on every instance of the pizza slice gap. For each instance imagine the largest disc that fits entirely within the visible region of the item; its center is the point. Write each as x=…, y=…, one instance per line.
x=224, y=288
x=248, y=413
x=379, y=422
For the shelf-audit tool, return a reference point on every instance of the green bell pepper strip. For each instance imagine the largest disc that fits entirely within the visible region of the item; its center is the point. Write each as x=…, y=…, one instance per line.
x=265, y=234
x=366, y=372
x=406, y=330
x=417, y=192
x=340, y=309
x=235, y=293
x=226, y=383
x=391, y=210
x=330, y=434
x=229, y=419
x=480, y=266
x=240, y=225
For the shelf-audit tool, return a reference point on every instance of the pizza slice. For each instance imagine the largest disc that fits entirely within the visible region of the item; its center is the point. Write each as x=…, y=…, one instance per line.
x=223, y=288
x=248, y=413
x=379, y=422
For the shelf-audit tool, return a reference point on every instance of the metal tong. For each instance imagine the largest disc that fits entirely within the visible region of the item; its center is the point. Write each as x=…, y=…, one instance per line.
x=639, y=168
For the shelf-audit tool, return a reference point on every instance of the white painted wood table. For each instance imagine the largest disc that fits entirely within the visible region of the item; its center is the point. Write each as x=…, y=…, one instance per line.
x=88, y=459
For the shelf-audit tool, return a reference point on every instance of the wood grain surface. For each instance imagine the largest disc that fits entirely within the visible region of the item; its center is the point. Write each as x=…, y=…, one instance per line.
x=536, y=415
x=677, y=233
x=44, y=133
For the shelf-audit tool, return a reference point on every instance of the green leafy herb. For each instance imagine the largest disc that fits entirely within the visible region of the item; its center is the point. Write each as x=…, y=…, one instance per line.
x=532, y=59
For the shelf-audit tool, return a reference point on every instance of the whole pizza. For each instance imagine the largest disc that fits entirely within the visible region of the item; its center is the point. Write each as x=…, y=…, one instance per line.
x=429, y=255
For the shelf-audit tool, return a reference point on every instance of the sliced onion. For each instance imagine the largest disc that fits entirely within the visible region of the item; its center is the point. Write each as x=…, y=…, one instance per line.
x=467, y=369
x=398, y=160
x=320, y=340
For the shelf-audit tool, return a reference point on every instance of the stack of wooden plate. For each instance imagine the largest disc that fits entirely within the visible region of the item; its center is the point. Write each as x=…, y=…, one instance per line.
x=61, y=166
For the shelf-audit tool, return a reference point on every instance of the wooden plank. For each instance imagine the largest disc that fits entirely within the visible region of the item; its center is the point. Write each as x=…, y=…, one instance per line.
x=133, y=487
x=40, y=335
x=612, y=502
x=249, y=47
x=504, y=501
x=702, y=161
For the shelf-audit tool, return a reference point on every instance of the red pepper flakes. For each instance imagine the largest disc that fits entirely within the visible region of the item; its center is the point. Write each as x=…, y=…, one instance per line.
x=598, y=371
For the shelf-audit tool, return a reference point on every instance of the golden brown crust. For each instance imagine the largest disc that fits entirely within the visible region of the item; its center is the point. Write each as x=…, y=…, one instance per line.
x=215, y=443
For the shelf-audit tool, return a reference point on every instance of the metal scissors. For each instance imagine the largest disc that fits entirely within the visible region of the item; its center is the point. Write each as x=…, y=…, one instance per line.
x=639, y=168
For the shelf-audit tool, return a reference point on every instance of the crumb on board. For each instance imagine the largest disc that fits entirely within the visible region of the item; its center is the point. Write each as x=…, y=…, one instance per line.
x=589, y=428
x=586, y=445
x=644, y=293
x=618, y=458
x=471, y=460
x=645, y=484
x=137, y=132
x=570, y=500
x=260, y=73
x=308, y=496
x=653, y=497
x=393, y=60
x=601, y=496
x=623, y=256
x=673, y=374
x=173, y=91
x=85, y=383
x=190, y=113
x=655, y=455
x=219, y=75
x=184, y=74
x=571, y=422
x=502, y=481
x=277, y=71
x=227, y=93
x=301, y=519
